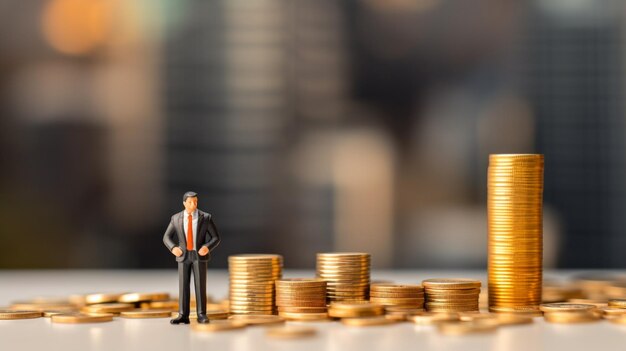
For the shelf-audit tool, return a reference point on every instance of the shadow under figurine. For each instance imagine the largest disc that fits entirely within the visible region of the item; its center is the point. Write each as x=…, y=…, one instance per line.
x=191, y=236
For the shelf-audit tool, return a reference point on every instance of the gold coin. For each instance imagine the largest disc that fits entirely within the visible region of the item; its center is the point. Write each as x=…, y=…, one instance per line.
x=393, y=301
x=570, y=317
x=79, y=318
x=51, y=313
x=139, y=297
x=255, y=257
x=450, y=284
x=15, y=314
x=397, y=287
x=217, y=325
x=290, y=332
x=342, y=254
x=401, y=313
x=566, y=307
x=619, y=320
x=29, y=306
x=304, y=316
x=610, y=312
x=300, y=303
x=300, y=309
x=91, y=299
x=621, y=303
x=257, y=319
x=167, y=305
x=268, y=289
x=300, y=282
x=115, y=308
x=596, y=302
x=140, y=314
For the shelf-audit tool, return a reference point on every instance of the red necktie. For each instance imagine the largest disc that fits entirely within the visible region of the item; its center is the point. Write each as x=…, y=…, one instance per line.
x=189, y=234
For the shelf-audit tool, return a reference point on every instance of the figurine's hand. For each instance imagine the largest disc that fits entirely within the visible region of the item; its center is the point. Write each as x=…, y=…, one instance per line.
x=177, y=251
x=203, y=251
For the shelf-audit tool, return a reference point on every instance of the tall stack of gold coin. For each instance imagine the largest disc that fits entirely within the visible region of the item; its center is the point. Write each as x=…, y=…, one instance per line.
x=347, y=275
x=398, y=295
x=515, y=225
x=451, y=295
x=252, y=279
x=298, y=296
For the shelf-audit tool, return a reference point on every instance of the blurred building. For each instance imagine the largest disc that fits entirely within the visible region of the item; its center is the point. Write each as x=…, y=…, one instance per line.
x=576, y=81
x=306, y=126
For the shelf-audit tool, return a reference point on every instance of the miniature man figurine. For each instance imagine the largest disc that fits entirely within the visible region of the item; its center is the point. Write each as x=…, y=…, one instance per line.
x=191, y=236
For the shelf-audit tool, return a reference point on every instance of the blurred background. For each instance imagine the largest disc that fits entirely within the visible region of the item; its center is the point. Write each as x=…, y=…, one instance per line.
x=306, y=126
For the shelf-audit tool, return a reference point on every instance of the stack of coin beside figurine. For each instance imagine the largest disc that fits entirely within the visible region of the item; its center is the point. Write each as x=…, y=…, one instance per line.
x=347, y=275
x=515, y=232
x=301, y=299
x=252, y=282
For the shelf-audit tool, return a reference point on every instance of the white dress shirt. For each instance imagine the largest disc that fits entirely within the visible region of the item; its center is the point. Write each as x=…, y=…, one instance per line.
x=194, y=225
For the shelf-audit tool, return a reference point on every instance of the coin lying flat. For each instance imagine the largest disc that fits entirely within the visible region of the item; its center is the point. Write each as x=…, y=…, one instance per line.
x=610, y=312
x=307, y=316
x=80, y=318
x=141, y=297
x=102, y=298
x=566, y=307
x=621, y=320
x=571, y=317
x=217, y=325
x=108, y=308
x=620, y=303
x=10, y=314
x=140, y=314
x=257, y=319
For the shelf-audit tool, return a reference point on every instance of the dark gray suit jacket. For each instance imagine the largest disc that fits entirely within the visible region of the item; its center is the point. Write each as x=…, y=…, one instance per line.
x=206, y=235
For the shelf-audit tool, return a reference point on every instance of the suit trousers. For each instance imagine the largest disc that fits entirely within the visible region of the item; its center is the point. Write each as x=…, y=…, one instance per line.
x=199, y=268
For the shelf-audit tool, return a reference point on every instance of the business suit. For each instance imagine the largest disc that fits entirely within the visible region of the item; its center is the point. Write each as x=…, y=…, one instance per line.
x=206, y=235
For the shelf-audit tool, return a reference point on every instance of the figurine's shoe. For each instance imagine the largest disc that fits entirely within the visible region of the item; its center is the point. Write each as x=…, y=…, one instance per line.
x=180, y=320
x=202, y=318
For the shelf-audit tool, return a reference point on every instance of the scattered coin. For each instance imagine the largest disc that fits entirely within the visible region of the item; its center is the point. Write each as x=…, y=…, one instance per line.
x=11, y=314
x=80, y=318
x=217, y=325
x=140, y=314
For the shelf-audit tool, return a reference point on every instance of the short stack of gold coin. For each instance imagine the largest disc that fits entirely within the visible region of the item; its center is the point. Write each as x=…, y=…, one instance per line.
x=515, y=225
x=301, y=298
x=398, y=296
x=451, y=295
x=347, y=275
x=570, y=313
x=252, y=279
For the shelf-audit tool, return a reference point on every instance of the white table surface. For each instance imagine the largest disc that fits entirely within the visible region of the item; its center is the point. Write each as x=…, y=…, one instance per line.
x=158, y=334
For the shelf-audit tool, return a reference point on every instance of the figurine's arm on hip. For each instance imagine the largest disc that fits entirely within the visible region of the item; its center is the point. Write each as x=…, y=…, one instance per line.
x=213, y=237
x=168, y=237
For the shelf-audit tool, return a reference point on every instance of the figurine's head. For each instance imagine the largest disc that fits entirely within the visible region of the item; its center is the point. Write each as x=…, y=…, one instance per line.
x=190, y=201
